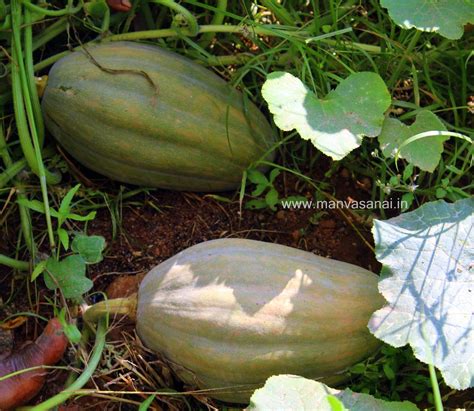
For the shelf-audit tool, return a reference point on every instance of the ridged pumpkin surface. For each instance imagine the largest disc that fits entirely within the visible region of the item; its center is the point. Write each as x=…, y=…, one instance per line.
x=189, y=130
x=233, y=312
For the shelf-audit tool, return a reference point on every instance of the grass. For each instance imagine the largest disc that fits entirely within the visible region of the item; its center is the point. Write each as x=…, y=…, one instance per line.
x=320, y=42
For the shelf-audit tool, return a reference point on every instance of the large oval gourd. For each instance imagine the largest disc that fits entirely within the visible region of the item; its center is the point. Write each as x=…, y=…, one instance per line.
x=230, y=313
x=143, y=115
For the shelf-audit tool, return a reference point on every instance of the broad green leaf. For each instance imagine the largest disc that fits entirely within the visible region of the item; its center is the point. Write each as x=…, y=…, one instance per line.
x=446, y=17
x=335, y=124
x=89, y=247
x=427, y=279
x=293, y=393
x=424, y=153
x=69, y=275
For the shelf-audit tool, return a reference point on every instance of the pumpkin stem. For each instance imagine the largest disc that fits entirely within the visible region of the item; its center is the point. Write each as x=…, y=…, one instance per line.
x=126, y=306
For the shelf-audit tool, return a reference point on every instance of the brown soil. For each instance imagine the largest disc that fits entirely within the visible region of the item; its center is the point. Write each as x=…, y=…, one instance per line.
x=148, y=236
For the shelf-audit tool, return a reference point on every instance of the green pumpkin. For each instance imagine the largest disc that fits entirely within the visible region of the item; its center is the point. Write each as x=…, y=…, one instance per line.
x=151, y=117
x=230, y=313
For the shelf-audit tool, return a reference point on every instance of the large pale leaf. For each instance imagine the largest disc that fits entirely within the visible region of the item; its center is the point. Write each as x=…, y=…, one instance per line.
x=447, y=17
x=335, y=124
x=427, y=279
x=424, y=153
x=293, y=393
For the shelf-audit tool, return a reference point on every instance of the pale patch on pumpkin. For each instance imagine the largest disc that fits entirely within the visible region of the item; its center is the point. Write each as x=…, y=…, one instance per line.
x=220, y=298
x=178, y=274
x=281, y=306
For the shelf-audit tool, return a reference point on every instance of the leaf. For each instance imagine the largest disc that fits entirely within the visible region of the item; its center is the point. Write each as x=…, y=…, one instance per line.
x=257, y=177
x=78, y=217
x=407, y=201
x=219, y=198
x=394, y=181
x=72, y=332
x=63, y=237
x=425, y=152
x=256, y=204
x=295, y=199
x=446, y=17
x=387, y=369
x=408, y=172
x=290, y=392
x=273, y=175
x=37, y=206
x=335, y=124
x=146, y=404
x=39, y=268
x=335, y=404
x=259, y=190
x=69, y=275
x=427, y=279
x=89, y=247
x=65, y=206
x=271, y=198
x=441, y=192
x=96, y=8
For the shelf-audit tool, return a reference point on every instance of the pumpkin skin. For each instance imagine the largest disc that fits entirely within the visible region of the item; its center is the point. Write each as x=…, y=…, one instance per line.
x=189, y=130
x=233, y=312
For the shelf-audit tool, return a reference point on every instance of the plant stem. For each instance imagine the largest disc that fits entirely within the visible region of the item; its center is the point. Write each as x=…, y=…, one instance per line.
x=86, y=374
x=435, y=386
x=127, y=306
x=30, y=78
x=51, y=13
x=193, y=27
x=152, y=34
x=85, y=336
x=50, y=60
x=16, y=264
x=217, y=19
x=11, y=171
x=23, y=100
